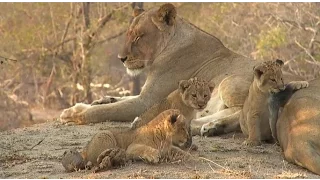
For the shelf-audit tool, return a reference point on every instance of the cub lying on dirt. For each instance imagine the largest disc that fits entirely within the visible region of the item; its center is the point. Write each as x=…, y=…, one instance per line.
x=151, y=143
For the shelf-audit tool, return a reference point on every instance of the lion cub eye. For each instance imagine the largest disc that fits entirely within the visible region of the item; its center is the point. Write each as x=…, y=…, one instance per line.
x=273, y=80
x=205, y=95
x=194, y=95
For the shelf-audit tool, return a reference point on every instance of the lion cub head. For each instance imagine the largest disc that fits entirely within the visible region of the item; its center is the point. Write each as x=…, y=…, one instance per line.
x=148, y=35
x=269, y=77
x=196, y=92
x=180, y=126
x=170, y=123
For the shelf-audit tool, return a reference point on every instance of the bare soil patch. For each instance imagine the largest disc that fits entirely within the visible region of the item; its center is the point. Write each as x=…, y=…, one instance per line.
x=35, y=152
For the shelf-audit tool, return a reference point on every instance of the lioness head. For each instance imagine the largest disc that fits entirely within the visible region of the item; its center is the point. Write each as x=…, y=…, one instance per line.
x=147, y=36
x=269, y=77
x=180, y=128
x=196, y=92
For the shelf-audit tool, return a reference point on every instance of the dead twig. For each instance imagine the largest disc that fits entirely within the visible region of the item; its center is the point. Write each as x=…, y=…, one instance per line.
x=214, y=163
x=112, y=37
x=6, y=59
x=37, y=144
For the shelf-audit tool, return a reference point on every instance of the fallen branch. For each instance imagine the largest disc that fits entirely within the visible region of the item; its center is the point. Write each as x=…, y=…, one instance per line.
x=6, y=59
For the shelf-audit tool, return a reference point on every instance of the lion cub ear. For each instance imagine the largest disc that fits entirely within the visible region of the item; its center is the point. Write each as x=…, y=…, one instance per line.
x=212, y=85
x=174, y=118
x=183, y=85
x=166, y=15
x=137, y=12
x=258, y=71
x=280, y=62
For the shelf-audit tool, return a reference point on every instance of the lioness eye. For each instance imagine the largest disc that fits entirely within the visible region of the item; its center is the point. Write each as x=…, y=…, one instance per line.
x=136, y=39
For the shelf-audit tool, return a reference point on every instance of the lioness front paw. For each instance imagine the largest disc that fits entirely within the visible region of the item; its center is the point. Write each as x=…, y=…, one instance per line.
x=251, y=143
x=104, y=100
x=212, y=129
x=74, y=114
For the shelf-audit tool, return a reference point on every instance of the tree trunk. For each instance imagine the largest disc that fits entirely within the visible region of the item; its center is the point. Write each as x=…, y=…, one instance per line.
x=135, y=88
x=86, y=63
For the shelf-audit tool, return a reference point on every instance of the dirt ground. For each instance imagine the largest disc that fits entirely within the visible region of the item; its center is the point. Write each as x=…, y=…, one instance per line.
x=35, y=152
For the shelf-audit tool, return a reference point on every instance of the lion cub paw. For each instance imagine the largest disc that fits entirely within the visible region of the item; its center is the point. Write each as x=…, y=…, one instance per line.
x=113, y=157
x=296, y=85
x=72, y=160
x=151, y=157
x=251, y=143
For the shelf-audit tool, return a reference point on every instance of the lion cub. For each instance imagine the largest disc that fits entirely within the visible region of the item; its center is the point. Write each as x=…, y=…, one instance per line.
x=191, y=95
x=151, y=143
x=254, y=117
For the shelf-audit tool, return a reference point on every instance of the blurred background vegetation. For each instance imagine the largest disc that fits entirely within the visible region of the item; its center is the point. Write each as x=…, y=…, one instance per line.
x=67, y=52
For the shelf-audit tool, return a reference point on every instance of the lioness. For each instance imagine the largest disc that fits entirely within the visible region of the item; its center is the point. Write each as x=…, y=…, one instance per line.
x=298, y=127
x=150, y=143
x=170, y=49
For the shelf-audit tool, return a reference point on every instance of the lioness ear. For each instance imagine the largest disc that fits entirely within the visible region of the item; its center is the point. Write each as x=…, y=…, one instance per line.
x=137, y=11
x=166, y=15
x=183, y=85
x=280, y=62
x=258, y=71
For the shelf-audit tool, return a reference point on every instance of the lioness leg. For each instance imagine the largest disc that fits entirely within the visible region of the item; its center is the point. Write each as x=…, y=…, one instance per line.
x=129, y=108
x=196, y=124
x=110, y=99
x=308, y=156
x=222, y=125
x=144, y=152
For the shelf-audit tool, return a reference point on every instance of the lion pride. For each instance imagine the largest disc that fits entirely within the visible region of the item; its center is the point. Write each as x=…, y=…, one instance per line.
x=170, y=49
